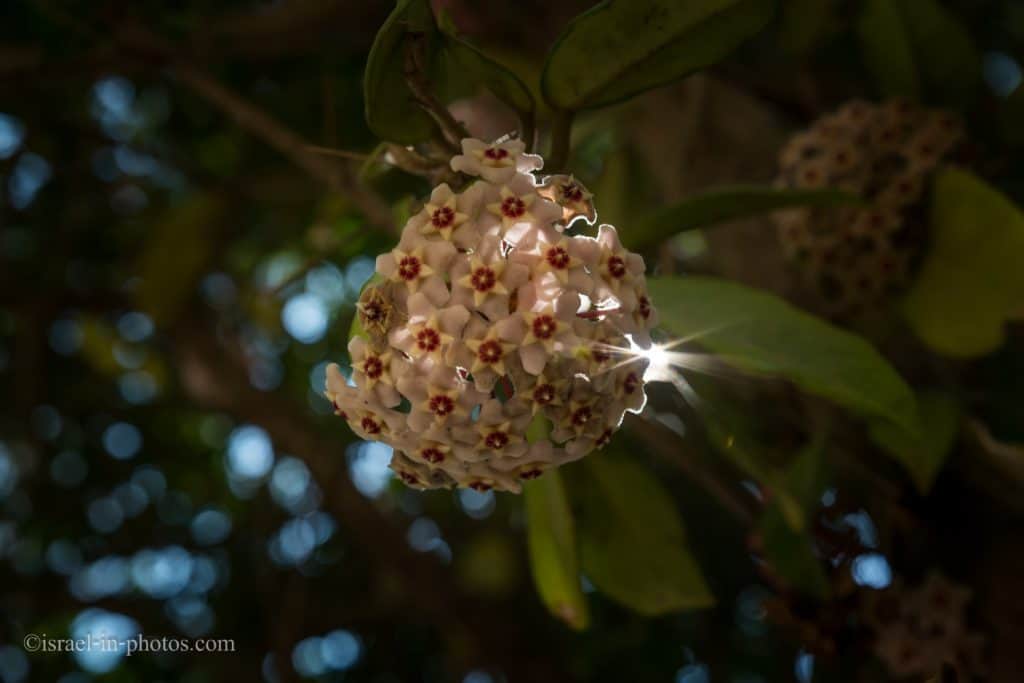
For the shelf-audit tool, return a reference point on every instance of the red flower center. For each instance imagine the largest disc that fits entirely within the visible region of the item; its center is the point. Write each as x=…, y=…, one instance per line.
x=531, y=473
x=408, y=478
x=370, y=426
x=428, y=340
x=441, y=405
x=373, y=367
x=644, y=307
x=409, y=268
x=599, y=354
x=512, y=207
x=490, y=352
x=630, y=383
x=495, y=153
x=572, y=192
x=496, y=440
x=480, y=486
x=616, y=267
x=558, y=258
x=483, y=279
x=544, y=327
x=544, y=394
x=432, y=455
x=581, y=416
x=442, y=217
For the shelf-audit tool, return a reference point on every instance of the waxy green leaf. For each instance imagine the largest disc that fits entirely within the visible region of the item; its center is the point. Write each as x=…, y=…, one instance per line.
x=620, y=48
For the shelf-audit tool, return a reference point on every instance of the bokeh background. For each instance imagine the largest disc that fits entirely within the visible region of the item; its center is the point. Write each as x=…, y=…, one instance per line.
x=177, y=268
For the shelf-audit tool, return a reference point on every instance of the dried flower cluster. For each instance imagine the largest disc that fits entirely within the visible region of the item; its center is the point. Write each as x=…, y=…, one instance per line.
x=855, y=256
x=493, y=344
x=920, y=631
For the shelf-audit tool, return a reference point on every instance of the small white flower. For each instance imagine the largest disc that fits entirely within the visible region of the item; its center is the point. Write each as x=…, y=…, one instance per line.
x=495, y=163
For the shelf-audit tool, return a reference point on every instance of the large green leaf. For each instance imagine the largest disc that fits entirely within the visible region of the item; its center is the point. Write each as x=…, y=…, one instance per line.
x=759, y=332
x=632, y=543
x=971, y=280
x=622, y=47
x=478, y=68
x=726, y=204
x=923, y=457
x=944, y=51
x=552, y=543
x=391, y=111
x=790, y=554
x=886, y=49
x=179, y=247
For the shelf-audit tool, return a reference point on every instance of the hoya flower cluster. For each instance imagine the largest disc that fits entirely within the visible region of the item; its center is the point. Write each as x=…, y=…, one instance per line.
x=918, y=630
x=856, y=255
x=493, y=343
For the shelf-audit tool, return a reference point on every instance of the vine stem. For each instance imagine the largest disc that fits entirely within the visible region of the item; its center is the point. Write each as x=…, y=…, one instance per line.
x=561, y=135
x=416, y=78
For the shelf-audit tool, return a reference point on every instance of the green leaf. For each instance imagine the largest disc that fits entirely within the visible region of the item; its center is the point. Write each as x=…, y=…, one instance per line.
x=791, y=555
x=760, y=333
x=944, y=51
x=726, y=204
x=886, y=49
x=620, y=48
x=735, y=431
x=924, y=457
x=179, y=248
x=481, y=69
x=552, y=543
x=391, y=111
x=971, y=279
x=632, y=543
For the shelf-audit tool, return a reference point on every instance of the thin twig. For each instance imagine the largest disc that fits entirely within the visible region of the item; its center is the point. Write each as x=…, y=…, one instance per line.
x=287, y=142
x=561, y=136
x=667, y=445
x=343, y=153
x=416, y=78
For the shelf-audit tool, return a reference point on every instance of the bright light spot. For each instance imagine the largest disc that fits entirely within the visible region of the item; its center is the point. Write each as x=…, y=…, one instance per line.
x=211, y=526
x=305, y=318
x=368, y=467
x=8, y=472
x=250, y=454
x=424, y=535
x=135, y=326
x=803, y=668
x=359, y=270
x=289, y=482
x=104, y=577
x=163, y=573
x=871, y=570
x=12, y=133
x=13, y=664
x=28, y=177
x=694, y=673
x=339, y=650
x=100, y=626
x=476, y=504
x=1002, y=73
x=105, y=515
x=122, y=440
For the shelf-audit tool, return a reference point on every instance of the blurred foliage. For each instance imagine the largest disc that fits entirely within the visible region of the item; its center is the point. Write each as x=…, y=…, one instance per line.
x=178, y=264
